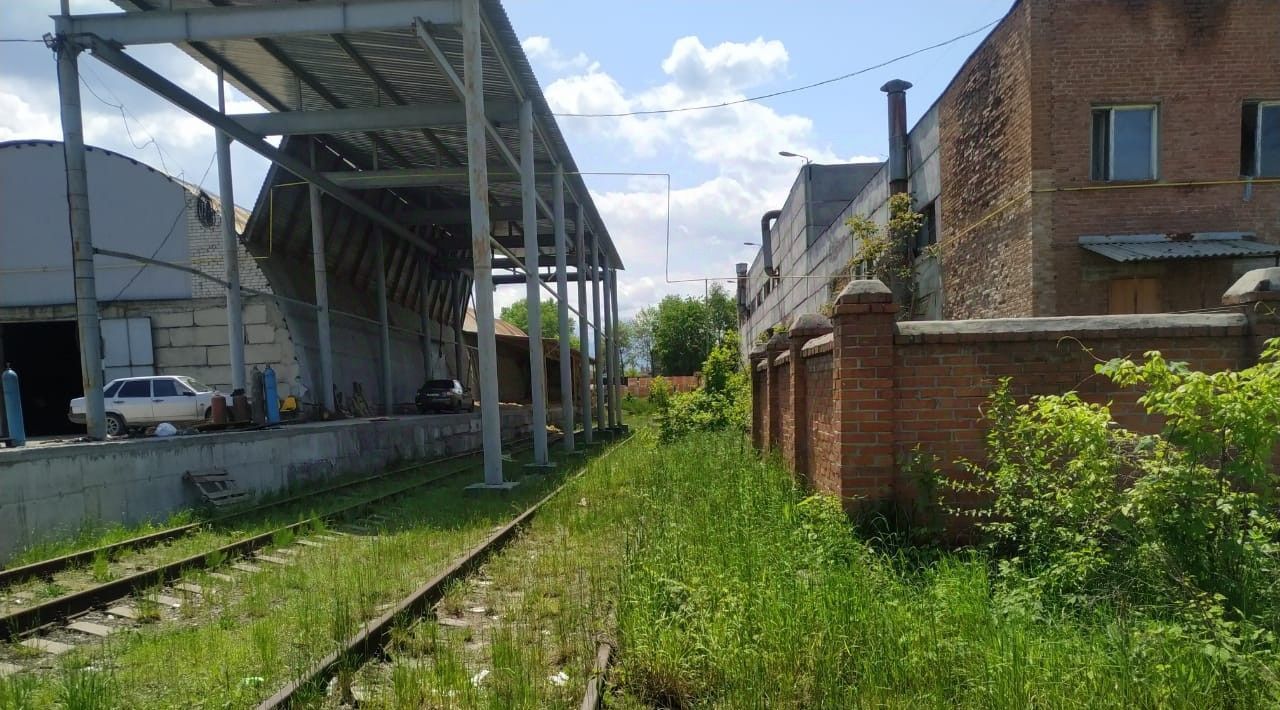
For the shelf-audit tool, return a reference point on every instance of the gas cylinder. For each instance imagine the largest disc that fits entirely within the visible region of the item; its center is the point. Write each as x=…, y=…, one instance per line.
x=270, y=396
x=13, y=407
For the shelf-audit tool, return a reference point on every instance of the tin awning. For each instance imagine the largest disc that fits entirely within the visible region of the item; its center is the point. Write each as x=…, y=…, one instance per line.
x=1126, y=248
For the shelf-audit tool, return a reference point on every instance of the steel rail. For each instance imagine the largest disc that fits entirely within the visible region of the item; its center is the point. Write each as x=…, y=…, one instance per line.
x=47, y=567
x=594, y=696
x=20, y=622
x=371, y=638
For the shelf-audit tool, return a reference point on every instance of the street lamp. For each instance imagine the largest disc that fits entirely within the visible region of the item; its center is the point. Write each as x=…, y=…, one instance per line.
x=789, y=154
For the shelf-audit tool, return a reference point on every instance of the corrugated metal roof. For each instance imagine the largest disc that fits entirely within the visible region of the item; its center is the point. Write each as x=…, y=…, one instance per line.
x=318, y=72
x=1160, y=247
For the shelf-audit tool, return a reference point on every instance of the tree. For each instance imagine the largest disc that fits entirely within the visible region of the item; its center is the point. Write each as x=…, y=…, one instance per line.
x=638, y=348
x=517, y=314
x=722, y=312
x=681, y=335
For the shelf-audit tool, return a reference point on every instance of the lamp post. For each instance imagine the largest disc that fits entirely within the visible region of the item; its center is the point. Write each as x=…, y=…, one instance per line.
x=808, y=193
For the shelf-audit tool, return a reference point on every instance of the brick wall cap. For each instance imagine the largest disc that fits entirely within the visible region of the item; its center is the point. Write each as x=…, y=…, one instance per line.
x=778, y=343
x=865, y=291
x=995, y=328
x=819, y=345
x=1255, y=285
x=810, y=324
x=757, y=351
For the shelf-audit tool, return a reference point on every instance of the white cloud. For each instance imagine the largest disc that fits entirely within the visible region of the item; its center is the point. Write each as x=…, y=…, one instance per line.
x=540, y=49
x=738, y=144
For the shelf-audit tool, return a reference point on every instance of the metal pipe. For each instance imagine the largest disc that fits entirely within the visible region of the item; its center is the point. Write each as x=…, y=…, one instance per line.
x=599, y=344
x=324, y=337
x=537, y=363
x=562, y=302
x=230, y=250
x=583, y=333
x=380, y=254
x=766, y=240
x=481, y=252
x=73, y=152
x=897, y=94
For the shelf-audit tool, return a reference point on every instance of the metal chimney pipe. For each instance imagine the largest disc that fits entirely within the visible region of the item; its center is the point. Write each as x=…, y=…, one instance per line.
x=766, y=240
x=897, y=91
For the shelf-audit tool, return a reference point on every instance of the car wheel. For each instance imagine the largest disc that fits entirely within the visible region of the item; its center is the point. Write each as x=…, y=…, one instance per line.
x=115, y=424
x=208, y=412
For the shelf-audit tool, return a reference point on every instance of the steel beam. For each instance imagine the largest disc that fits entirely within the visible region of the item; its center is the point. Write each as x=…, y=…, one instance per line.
x=384, y=324
x=411, y=177
x=171, y=92
x=609, y=334
x=424, y=312
x=258, y=21
x=615, y=378
x=517, y=279
x=533, y=300
x=481, y=252
x=324, y=339
x=87, y=328
x=230, y=249
x=562, y=302
x=359, y=120
x=583, y=334
x=599, y=344
x=459, y=216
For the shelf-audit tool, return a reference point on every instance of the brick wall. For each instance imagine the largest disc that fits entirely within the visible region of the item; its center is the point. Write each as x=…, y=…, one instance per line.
x=640, y=386
x=876, y=388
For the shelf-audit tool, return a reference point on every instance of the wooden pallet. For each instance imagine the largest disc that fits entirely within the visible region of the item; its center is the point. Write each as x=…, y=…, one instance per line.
x=216, y=487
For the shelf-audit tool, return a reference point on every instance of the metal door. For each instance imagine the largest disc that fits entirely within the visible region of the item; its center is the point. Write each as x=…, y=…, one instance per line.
x=169, y=403
x=132, y=401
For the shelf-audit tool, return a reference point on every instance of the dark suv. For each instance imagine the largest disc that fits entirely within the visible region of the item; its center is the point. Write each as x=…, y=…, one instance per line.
x=443, y=396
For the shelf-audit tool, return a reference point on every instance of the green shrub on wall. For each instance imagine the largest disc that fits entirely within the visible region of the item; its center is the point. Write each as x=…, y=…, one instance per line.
x=723, y=401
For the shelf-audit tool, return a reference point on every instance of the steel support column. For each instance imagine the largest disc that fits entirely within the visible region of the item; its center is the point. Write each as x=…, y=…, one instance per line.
x=459, y=303
x=324, y=339
x=583, y=332
x=562, y=303
x=595, y=310
x=610, y=346
x=607, y=324
x=617, y=351
x=481, y=252
x=384, y=324
x=424, y=306
x=537, y=364
x=230, y=250
x=87, y=327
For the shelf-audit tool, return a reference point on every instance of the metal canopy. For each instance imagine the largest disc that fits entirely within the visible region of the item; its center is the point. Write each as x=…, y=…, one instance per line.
x=1128, y=248
x=323, y=68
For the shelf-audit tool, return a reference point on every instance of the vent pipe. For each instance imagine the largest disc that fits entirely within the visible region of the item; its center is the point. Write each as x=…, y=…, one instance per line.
x=897, y=91
x=741, y=268
x=766, y=246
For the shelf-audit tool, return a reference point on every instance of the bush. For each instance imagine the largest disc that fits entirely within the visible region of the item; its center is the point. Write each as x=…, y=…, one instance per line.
x=660, y=393
x=723, y=401
x=1177, y=526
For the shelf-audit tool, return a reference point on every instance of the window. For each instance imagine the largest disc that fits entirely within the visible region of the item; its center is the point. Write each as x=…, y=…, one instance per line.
x=1124, y=143
x=164, y=388
x=195, y=385
x=136, y=388
x=110, y=391
x=1260, y=139
x=928, y=234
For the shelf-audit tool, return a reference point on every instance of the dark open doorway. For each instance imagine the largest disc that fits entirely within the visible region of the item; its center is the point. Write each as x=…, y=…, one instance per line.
x=46, y=356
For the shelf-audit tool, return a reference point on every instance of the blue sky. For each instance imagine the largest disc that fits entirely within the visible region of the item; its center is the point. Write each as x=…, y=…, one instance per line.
x=605, y=56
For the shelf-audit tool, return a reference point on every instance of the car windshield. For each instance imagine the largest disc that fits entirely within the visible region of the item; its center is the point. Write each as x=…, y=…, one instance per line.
x=195, y=384
x=438, y=385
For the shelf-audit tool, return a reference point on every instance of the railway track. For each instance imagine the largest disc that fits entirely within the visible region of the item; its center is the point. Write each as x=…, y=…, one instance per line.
x=369, y=642
x=56, y=626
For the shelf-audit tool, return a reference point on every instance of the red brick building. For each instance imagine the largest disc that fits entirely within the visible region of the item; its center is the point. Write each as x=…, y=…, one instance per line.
x=1104, y=156
x=1090, y=157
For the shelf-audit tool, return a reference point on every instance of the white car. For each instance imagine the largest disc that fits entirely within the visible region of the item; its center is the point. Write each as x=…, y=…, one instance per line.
x=136, y=402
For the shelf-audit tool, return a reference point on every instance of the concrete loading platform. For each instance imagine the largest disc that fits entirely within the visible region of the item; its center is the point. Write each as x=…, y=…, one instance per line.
x=48, y=492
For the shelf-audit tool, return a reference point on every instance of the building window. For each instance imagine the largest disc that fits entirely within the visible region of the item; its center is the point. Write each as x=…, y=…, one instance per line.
x=1124, y=142
x=1260, y=139
x=928, y=234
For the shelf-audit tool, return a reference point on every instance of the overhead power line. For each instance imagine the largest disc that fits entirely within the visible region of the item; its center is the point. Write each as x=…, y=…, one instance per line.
x=775, y=94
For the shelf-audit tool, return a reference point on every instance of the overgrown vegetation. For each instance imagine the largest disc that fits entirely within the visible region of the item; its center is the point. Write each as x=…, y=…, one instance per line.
x=1177, y=531
x=885, y=253
x=723, y=401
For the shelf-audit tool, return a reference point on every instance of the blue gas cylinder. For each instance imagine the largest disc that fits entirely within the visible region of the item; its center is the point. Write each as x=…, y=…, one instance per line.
x=13, y=407
x=271, y=396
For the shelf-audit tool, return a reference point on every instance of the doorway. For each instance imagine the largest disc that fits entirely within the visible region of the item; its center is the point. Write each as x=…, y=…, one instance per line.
x=46, y=356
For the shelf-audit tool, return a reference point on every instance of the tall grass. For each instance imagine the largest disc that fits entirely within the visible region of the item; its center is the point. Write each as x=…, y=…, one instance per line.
x=737, y=594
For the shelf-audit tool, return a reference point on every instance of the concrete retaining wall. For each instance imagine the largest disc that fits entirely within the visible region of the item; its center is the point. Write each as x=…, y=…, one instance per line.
x=48, y=493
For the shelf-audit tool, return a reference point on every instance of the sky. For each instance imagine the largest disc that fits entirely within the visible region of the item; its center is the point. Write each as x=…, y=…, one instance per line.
x=599, y=56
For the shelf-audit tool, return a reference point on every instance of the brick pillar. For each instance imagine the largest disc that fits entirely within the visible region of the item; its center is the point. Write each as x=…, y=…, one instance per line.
x=804, y=329
x=1258, y=294
x=773, y=432
x=759, y=402
x=863, y=381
